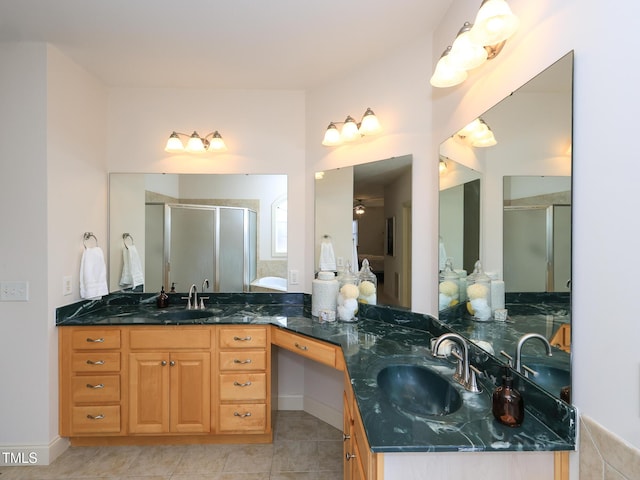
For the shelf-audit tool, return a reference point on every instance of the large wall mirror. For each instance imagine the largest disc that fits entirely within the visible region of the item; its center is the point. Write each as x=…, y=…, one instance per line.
x=185, y=228
x=365, y=210
x=509, y=205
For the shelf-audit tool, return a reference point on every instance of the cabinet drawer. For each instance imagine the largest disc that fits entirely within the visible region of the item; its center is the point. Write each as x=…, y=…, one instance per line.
x=96, y=362
x=315, y=350
x=95, y=388
x=244, y=360
x=98, y=419
x=95, y=339
x=243, y=417
x=234, y=337
x=168, y=338
x=243, y=386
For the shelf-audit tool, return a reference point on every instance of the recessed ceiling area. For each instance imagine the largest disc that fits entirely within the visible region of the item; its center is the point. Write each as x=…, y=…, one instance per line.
x=279, y=44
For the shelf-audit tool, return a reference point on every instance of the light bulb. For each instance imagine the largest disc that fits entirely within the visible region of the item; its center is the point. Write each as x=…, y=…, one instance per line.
x=195, y=143
x=465, y=54
x=446, y=74
x=174, y=144
x=217, y=143
x=370, y=124
x=494, y=23
x=349, y=130
x=331, y=136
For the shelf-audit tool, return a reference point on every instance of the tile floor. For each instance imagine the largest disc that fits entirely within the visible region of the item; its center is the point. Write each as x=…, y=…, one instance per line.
x=304, y=448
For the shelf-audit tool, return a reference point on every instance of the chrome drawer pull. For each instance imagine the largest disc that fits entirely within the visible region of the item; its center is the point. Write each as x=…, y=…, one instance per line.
x=241, y=339
x=100, y=385
x=248, y=360
x=172, y=363
x=349, y=456
x=241, y=415
x=242, y=384
x=301, y=347
x=345, y=437
x=97, y=340
x=163, y=363
x=97, y=362
x=97, y=417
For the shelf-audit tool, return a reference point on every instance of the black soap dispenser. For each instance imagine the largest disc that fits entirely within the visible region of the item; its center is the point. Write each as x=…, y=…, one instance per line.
x=163, y=299
x=508, y=405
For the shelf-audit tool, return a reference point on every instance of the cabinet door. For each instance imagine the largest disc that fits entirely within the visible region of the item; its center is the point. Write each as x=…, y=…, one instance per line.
x=347, y=432
x=149, y=377
x=190, y=392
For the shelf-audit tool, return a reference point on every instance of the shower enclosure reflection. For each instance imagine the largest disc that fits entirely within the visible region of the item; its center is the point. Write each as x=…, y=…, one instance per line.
x=191, y=227
x=202, y=242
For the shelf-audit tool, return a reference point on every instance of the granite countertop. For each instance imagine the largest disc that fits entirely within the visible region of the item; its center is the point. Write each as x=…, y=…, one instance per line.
x=382, y=336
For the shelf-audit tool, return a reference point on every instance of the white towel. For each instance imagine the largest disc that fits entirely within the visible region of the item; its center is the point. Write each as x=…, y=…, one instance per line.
x=327, y=261
x=93, y=273
x=132, y=275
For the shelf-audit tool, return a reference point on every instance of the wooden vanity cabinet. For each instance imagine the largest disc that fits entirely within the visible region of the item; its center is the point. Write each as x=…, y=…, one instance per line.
x=307, y=347
x=360, y=463
x=170, y=380
x=244, y=386
x=90, y=381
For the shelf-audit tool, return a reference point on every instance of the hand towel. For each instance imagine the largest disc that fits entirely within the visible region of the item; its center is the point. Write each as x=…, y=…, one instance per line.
x=132, y=274
x=327, y=261
x=93, y=273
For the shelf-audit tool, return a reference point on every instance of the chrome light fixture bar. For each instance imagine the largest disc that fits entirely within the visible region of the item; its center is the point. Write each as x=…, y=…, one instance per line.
x=195, y=143
x=369, y=125
x=475, y=43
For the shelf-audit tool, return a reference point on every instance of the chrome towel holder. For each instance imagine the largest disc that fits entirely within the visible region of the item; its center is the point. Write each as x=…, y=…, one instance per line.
x=126, y=236
x=87, y=236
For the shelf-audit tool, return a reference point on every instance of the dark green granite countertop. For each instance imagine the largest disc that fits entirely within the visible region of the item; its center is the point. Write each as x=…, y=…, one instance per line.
x=382, y=336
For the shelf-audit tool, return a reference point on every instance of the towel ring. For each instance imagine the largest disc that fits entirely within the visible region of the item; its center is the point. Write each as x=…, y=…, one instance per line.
x=87, y=236
x=124, y=239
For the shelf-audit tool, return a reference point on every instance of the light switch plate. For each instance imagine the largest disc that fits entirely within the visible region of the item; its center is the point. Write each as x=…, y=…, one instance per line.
x=293, y=277
x=17, y=291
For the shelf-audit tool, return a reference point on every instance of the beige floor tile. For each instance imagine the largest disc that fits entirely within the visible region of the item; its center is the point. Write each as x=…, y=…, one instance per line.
x=249, y=458
x=304, y=448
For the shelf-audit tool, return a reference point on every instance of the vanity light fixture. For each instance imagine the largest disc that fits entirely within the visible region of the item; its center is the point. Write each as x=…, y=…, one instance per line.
x=195, y=143
x=369, y=125
x=477, y=134
x=442, y=167
x=476, y=43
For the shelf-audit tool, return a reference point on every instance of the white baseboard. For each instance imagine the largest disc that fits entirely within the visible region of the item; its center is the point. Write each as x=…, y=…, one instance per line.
x=324, y=412
x=26, y=455
x=290, y=402
x=313, y=407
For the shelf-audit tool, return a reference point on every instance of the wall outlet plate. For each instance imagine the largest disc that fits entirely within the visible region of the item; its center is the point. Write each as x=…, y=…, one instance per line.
x=67, y=285
x=16, y=291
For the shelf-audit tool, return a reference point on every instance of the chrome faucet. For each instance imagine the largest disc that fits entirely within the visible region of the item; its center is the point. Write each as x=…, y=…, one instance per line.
x=205, y=284
x=466, y=373
x=521, y=342
x=193, y=290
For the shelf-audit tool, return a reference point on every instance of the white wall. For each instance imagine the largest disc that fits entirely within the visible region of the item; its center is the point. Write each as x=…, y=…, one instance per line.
x=53, y=179
x=24, y=403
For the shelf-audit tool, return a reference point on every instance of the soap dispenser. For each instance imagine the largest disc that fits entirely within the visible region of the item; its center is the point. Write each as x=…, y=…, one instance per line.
x=507, y=404
x=163, y=299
